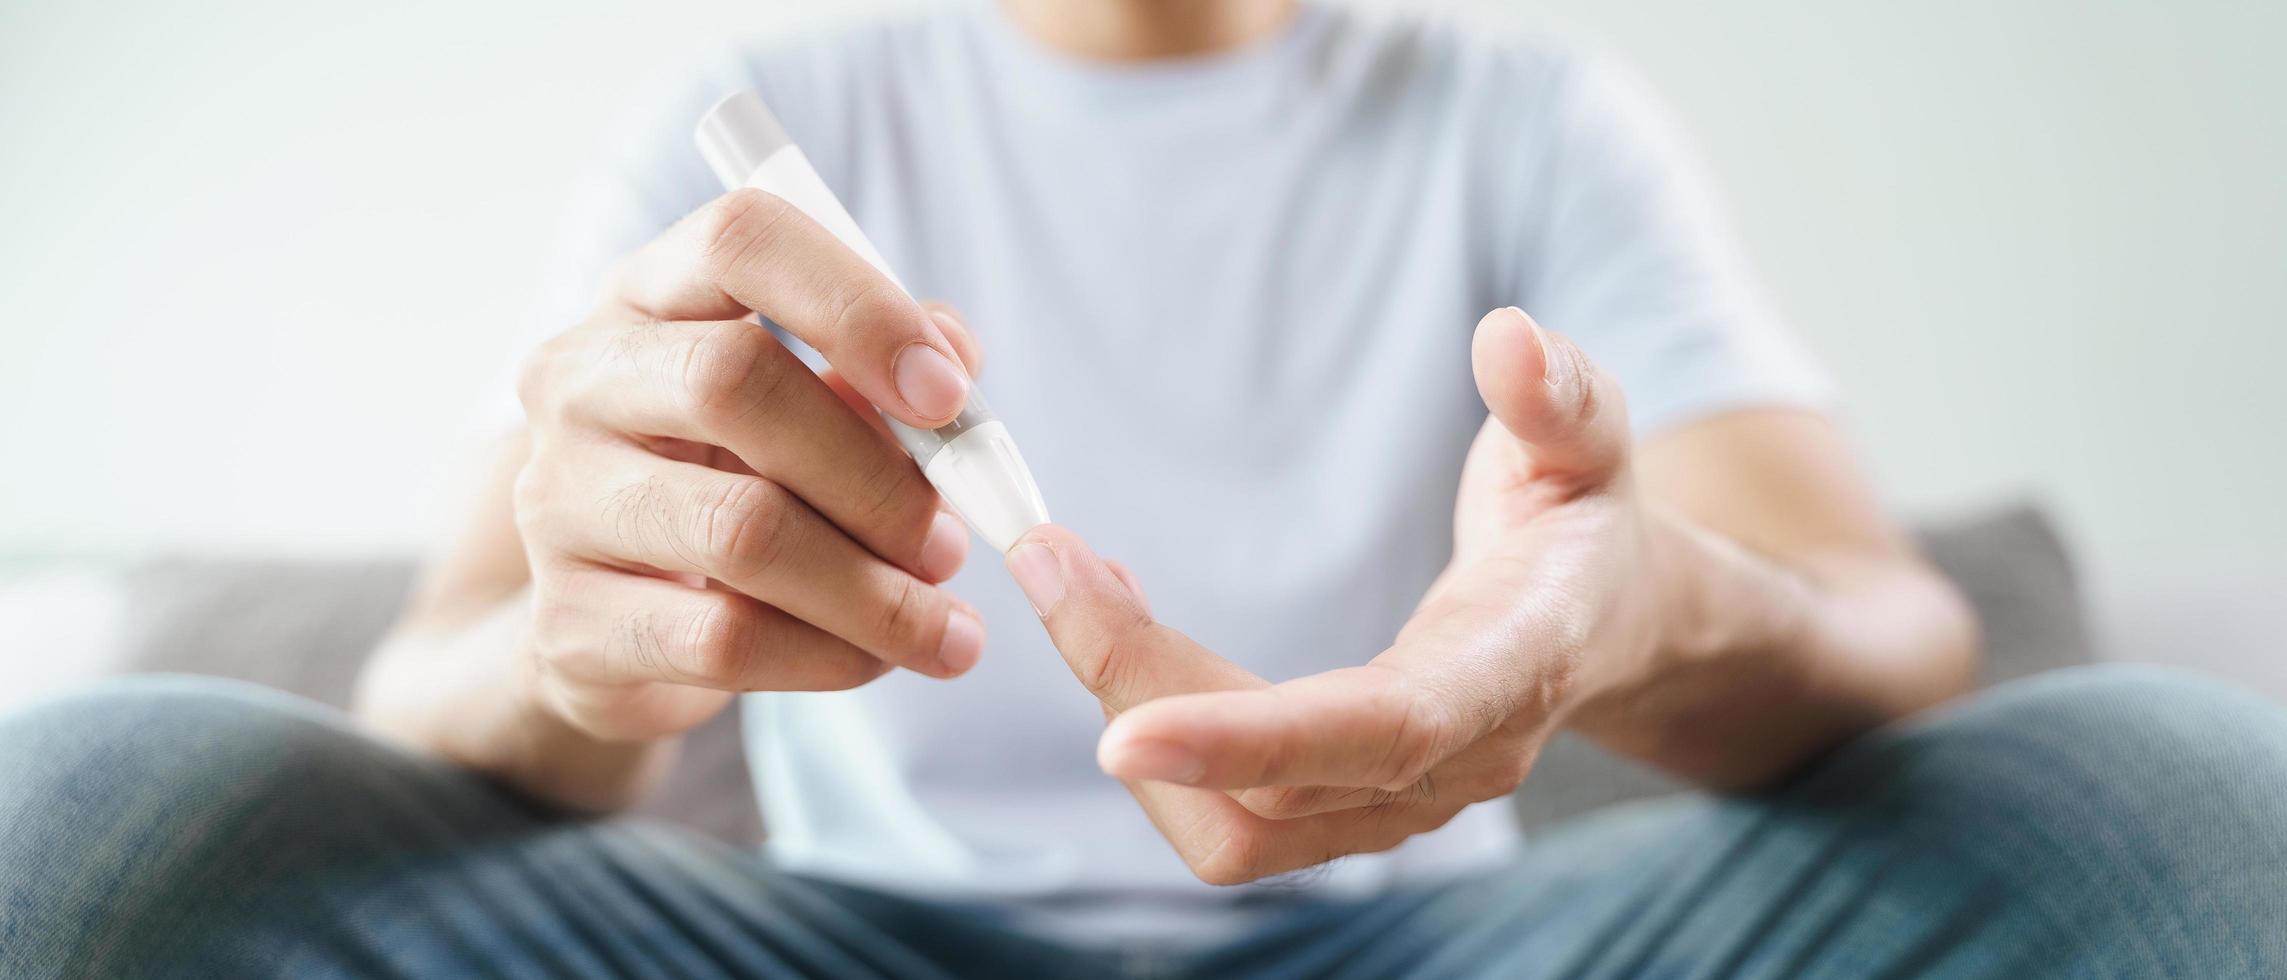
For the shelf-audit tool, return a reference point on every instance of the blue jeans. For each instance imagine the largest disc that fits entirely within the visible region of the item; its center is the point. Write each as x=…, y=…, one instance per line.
x=2095, y=822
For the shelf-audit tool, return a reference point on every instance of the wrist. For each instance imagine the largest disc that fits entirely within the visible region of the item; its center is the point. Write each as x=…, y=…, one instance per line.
x=535, y=747
x=1721, y=601
x=1708, y=611
x=471, y=694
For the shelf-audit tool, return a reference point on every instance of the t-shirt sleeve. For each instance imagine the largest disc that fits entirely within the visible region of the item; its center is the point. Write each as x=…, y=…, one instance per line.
x=644, y=176
x=1631, y=254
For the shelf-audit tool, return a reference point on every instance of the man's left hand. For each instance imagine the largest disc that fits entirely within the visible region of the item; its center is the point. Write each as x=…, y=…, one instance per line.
x=1556, y=594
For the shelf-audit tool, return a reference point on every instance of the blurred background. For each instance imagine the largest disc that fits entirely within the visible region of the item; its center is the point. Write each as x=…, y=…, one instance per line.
x=259, y=261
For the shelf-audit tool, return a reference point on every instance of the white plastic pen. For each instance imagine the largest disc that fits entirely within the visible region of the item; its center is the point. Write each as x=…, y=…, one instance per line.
x=971, y=460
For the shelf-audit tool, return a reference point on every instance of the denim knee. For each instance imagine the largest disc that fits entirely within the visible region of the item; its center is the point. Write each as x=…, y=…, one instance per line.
x=148, y=819
x=2145, y=809
x=154, y=745
x=156, y=757
x=2148, y=742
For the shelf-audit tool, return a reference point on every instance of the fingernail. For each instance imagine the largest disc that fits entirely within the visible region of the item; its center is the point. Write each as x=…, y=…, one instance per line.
x=964, y=641
x=1556, y=365
x=1037, y=572
x=945, y=548
x=932, y=386
x=1154, y=760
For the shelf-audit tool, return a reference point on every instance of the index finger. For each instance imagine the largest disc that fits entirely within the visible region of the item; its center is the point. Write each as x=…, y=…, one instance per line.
x=1385, y=725
x=1355, y=726
x=1186, y=715
x=749, y=250
x=1105, y=632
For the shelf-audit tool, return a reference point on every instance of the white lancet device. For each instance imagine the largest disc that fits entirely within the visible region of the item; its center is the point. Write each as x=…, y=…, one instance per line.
x=971, y=460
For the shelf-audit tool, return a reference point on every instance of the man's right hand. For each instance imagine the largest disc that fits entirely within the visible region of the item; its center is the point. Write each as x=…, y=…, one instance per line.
x=703, y=514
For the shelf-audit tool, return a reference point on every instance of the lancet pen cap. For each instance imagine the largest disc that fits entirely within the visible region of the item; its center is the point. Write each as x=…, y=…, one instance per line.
x=738, y=134
x=971, y=459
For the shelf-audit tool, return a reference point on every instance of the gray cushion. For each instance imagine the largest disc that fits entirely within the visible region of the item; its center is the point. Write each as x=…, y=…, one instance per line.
x=2015, y=570
x=301, y=626
x=305, y=626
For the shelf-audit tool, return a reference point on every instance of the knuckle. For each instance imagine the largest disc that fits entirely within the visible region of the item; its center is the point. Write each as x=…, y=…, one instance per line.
x=533, y=371
x=890, y=488
x=526, y=498
x=731, y=372
x=540, y=382
x=636, y=513
x=745, y=525
x=635, y=635
x=717, y=642
x=905, y=619
x=553, y=611
x=1418, y=739
x=732, y=227
x=539, y=508
x=868, y=304
x=1109, y=669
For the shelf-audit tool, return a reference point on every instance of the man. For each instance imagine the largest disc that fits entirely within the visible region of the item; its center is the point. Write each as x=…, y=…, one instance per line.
x=1223, y=257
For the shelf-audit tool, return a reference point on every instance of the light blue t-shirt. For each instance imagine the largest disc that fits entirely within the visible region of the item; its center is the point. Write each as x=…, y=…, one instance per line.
x=1227, y=305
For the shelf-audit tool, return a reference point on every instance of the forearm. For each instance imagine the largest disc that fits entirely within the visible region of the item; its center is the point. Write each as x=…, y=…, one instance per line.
x=456, y=686
x=1762, y=662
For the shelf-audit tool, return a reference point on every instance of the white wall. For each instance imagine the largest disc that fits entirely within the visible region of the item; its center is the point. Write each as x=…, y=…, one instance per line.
x=257, y=259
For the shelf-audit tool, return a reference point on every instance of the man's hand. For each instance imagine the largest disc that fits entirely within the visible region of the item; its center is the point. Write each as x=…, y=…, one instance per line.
x=1549, y=600
x=706, y=515
x=701, y=513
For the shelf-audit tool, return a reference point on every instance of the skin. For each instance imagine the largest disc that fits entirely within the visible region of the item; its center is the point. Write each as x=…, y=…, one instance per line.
x=1723, y=602
x=692, y=513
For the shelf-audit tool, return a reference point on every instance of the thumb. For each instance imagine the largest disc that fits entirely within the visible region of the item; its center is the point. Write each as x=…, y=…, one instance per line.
x=1569, y=414
x=1099, y=622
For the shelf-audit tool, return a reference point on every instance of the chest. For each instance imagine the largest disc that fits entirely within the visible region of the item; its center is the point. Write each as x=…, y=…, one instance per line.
x=1240, y=365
